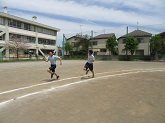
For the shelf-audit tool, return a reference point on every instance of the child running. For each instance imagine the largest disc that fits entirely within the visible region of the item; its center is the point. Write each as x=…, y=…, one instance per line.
x=52, y=58
x=89, y=65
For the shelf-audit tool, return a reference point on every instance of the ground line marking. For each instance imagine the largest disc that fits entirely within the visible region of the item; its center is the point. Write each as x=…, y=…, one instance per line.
x=13, y=90
x=74, y=83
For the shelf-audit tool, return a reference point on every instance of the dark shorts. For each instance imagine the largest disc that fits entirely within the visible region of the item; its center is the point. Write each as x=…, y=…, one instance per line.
x=88, y=65
x=52, y=68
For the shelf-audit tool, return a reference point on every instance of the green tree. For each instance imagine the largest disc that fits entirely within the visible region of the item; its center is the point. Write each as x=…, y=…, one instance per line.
x=156, y=45
x=111, y=44
x=83, y=42
x=68, y=48
x=131, y=45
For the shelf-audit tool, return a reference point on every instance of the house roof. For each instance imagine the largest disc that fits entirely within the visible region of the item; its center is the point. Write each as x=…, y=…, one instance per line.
x=71, y=37
x=104, y=36
x=76, y=39
x=6, y=15
x=137, y=33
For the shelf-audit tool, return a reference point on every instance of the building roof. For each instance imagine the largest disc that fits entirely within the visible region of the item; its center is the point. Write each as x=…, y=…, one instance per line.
x=6, y=15
x=103, y=36
x=71, y=37
x=137, y=33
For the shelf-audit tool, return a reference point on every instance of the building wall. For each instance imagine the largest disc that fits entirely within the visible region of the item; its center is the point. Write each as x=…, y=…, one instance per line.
x=99, y=46
x=36, y=33
x=142, y=46
x=73, y=42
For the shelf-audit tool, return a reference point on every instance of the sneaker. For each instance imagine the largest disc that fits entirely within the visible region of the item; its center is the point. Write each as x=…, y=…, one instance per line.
x=87, y=71
x=51, y=75
x=58, y=77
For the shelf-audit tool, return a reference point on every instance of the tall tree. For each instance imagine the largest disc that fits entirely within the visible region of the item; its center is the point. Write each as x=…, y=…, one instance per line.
x=156, y=45
x=131, y=45
x=17, y=44
x=68, y=48
x=83, y=42
x=111, y=44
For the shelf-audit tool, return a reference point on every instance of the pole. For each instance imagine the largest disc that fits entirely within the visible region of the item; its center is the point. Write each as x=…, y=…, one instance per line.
x=81, y=29
x=63, y=46
x=92, y=39
x=126, y=42
x=137, y=26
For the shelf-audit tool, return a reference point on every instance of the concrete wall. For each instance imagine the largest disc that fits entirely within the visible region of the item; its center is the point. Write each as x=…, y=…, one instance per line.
x=142, y=46
x=101, y=44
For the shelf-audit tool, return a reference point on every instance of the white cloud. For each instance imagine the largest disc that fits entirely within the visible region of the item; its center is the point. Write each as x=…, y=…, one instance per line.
x=66, y=27
x=91, y=12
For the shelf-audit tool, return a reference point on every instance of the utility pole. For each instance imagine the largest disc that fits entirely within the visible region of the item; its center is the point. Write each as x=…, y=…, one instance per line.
x=63, y=47
x=126, y=42
x=92, y=39
x=137, y=25
x=81, y=29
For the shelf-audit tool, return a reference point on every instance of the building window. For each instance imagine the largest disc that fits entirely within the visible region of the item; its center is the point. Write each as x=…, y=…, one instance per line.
x=26, y=38
x=46, y=41
x=141, y=40
x=47, y=31
x=15, y=24
x=124, y=41
x=103, y=50
x=2, y=37
x=92, y=43
x=123, y=50
x=27, y=27
x=2, y=21
x=95, y=43
x=73, y=44
x=139, y=52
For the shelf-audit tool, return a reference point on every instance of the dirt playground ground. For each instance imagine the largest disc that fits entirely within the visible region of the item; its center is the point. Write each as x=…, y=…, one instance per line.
x=121, y=92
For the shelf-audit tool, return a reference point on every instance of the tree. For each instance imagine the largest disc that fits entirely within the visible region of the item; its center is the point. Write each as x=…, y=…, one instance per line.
x=131, y=45
x=68, y=48
x=111, y=45
x=17, y=44
x=156, y=45
x=83, y=42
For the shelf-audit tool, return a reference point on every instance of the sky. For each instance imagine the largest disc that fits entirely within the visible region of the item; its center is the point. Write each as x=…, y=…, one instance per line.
x=83, y=16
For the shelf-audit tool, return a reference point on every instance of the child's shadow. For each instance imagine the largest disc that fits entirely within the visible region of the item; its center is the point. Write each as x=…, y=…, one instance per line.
x=49, y=80
x=86, y=77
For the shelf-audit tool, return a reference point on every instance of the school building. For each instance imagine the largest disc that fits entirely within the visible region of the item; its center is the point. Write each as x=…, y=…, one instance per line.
x=42, y=38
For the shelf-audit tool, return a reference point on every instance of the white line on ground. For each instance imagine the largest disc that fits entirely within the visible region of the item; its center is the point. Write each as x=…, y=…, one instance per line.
x=78, y=82
x=9, y=91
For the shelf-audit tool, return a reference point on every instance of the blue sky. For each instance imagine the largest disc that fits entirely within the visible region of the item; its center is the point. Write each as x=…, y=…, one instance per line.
x=102, y=16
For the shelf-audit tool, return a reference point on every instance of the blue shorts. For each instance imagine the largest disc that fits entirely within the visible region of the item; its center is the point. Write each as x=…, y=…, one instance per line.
x=53, y=67
x=88, y=65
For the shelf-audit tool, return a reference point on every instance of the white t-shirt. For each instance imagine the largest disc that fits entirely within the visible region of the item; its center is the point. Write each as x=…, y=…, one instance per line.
x=90, y=58
x=53, y=59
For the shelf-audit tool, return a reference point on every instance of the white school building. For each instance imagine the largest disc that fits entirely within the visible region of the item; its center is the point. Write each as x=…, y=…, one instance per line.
x=42, y=38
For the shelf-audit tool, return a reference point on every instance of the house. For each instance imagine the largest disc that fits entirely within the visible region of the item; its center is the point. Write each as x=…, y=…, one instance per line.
x=98, y=44
x=144, y=43
x=74, y=40
x=41, y=37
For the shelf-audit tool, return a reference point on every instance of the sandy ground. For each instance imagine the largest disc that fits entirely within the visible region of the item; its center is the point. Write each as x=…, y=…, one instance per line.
x=121, y=92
